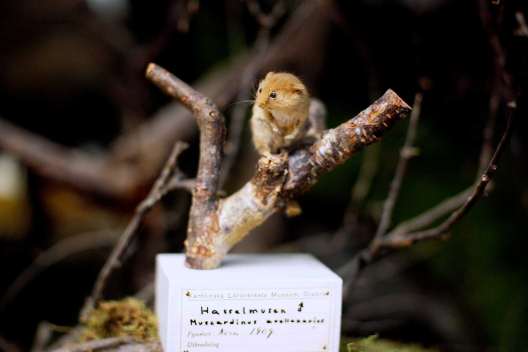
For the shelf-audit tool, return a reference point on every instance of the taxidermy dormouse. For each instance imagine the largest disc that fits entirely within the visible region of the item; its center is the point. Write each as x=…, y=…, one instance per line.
x=280, y=118
x=280, y=113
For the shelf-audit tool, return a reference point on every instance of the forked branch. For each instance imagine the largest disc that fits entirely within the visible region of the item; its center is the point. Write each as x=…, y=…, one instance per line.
x=215, y=225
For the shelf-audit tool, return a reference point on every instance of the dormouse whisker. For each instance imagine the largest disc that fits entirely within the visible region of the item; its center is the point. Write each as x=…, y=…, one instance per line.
x=240, y=102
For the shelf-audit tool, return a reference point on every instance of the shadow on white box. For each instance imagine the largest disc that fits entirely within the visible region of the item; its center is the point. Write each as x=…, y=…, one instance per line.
x=277, y=302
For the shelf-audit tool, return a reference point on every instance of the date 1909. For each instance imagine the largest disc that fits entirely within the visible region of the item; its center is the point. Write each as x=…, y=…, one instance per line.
x=265, y=332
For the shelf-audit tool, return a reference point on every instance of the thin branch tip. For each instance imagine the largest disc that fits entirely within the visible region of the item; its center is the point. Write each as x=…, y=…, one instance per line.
x=393, y=96
x=151, y=67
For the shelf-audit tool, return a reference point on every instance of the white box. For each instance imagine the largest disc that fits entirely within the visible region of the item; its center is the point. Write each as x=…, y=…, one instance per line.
x=281, y=302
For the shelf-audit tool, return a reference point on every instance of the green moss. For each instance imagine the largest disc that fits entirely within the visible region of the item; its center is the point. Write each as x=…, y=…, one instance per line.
x=374, y=344
x=126, y=317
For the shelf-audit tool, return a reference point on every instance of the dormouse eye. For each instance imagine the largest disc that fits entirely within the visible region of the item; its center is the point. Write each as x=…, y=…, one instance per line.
x=273, y=95
x=260, y=90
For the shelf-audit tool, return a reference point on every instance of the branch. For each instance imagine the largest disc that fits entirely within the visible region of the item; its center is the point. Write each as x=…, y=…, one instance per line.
x=62, y=164
x=279, y=178
x=160, y=188
x=216, y=225
x=428, y=217
x=339, y=144
x=203, y=220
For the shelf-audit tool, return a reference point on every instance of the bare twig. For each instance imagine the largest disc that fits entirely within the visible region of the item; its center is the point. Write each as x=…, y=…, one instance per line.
x=406, y=153
x=486, y=151
x=59, y=163
x=522, y=29
x=170, y=178
x=118, y=344
x=503, y=80
x=146, y=294
x=141, y=347
x=42, y=336
x=160, y=188
x=431, y=215
x=72, y=337
x=96, y=345
x=266, y=20
x=403, y=240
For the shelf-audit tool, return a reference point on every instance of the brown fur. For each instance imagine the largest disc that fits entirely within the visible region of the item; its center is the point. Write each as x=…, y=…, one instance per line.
x=279, y=113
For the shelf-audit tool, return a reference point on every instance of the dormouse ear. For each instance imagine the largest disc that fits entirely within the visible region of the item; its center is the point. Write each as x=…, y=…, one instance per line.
x=270, y=73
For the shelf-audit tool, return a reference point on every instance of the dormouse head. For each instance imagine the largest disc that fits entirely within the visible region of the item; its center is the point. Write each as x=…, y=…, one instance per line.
x=281, y=91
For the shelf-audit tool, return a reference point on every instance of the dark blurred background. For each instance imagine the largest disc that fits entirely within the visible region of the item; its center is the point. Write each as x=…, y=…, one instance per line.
x=83, y=135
